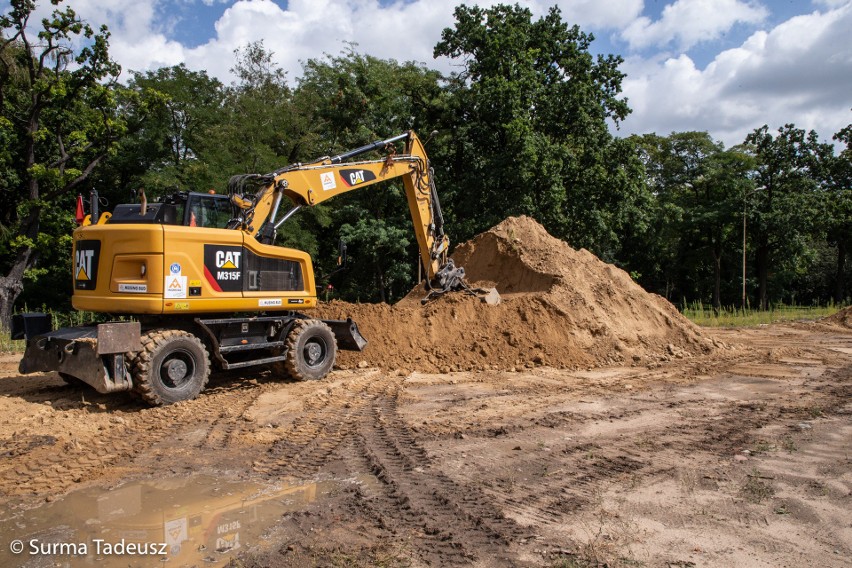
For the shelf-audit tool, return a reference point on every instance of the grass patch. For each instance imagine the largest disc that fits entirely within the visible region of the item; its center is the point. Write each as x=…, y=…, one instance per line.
x=7, y=345
x=756, y=489
x=730, y=316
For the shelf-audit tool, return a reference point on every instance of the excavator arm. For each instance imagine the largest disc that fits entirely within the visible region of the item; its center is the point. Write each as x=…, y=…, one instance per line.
x=306, y=185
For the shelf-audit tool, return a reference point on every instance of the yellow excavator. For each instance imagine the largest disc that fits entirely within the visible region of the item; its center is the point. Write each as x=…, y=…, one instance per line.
x=197, y=276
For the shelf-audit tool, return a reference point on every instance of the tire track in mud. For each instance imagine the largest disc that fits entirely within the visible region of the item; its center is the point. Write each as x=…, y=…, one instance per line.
x=220, y=433
x=52, y=469
x=328, y=421
x=452, y=524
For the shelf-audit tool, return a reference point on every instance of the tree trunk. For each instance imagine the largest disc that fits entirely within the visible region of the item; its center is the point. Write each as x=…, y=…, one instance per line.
x=380, y=282
x=841, y=269
x=717, y=281
x=11, y=287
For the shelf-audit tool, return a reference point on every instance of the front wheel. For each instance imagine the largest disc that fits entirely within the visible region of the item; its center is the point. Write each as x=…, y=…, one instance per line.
x=311, y=350
x=172, y=366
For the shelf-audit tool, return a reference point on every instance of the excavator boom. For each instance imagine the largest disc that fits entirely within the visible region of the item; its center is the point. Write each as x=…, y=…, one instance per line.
x=312, y=183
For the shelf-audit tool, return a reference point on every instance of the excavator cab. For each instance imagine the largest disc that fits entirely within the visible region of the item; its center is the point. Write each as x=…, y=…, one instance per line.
x=187, y=208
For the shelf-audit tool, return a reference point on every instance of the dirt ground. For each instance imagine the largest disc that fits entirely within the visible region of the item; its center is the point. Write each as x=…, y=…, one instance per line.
x=741, y=457
x=582, y=422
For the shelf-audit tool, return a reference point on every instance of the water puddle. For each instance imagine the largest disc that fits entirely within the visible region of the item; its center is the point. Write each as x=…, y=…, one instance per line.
x=195, y=521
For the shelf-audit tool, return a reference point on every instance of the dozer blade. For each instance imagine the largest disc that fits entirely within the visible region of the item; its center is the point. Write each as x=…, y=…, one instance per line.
x=347, y=334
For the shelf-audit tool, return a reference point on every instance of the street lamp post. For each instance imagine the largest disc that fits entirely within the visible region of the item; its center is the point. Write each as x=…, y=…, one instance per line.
x=744, y=254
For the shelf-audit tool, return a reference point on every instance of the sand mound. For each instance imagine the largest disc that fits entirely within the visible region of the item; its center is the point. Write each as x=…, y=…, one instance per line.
x=842, y=318
x=561, y=307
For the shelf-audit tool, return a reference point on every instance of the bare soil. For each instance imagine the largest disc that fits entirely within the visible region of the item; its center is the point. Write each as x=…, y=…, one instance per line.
x=582, y=422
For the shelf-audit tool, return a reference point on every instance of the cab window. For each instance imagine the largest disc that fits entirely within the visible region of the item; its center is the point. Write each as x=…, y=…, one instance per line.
x=208, y=211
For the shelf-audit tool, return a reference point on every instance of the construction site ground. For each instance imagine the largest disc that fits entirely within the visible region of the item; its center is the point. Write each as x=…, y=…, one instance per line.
x=660, y=446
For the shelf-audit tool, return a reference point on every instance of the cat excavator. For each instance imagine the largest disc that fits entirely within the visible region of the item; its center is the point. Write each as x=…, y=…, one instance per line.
x=196, y=281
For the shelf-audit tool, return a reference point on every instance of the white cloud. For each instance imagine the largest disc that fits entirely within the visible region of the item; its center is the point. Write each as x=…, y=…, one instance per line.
x=799, y=72
x=304, y=29
x=831, y=3
x=689, y=22
x=595, y=13
x=307, y=29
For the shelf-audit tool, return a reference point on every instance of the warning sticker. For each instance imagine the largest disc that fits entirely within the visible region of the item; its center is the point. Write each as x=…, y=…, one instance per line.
x=175, y=286
x=176, y=532
x=328, y=181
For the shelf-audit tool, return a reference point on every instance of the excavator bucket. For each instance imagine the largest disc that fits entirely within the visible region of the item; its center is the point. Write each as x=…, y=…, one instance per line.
x=451, y=279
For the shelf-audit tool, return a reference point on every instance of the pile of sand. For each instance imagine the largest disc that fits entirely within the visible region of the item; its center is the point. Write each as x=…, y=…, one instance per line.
x=842, y=318
x=560, y=307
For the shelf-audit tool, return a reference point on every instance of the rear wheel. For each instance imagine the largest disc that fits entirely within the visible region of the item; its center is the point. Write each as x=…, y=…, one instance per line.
x=311, y=350
x=172, y=366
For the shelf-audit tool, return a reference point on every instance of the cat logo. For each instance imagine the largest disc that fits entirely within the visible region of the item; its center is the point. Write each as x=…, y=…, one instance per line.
x=86, y=264
x=223, y=267
x=228, y=542
x=229, y=260
x=351, y=178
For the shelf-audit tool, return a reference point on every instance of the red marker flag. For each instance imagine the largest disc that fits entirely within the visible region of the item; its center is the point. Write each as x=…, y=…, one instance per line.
x=80, y=214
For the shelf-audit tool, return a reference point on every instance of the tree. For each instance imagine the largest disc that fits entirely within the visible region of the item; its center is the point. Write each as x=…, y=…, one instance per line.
x=787, y=204
x=259, y=131
x=699, y=187
x=838, y=186
x=59, y=121
x=171, y=114
x=528, y=129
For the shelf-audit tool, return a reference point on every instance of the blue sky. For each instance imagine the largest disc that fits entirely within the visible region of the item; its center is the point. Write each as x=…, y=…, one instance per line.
x=724, y=66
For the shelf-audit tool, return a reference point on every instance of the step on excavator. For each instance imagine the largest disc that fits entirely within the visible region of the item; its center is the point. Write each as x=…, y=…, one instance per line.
x=196, y=282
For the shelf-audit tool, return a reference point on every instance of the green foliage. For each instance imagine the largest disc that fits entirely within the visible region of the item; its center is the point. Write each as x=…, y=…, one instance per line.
x=261, y=130
x=370, y=243
x=699, y=190
x=170, y=110
x=60, y=120
x=732, y=316
x=787, y=205
x=528, y=130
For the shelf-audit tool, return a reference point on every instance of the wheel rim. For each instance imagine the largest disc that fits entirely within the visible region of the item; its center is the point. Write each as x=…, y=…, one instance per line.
x=177, y=369
x=315, y=352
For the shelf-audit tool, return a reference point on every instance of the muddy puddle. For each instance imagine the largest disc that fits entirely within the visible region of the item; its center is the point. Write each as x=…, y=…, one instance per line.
x=188, y=521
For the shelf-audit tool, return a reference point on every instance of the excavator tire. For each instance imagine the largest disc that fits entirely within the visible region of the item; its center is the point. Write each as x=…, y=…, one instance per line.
x=311, y=350
x=172, y=366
